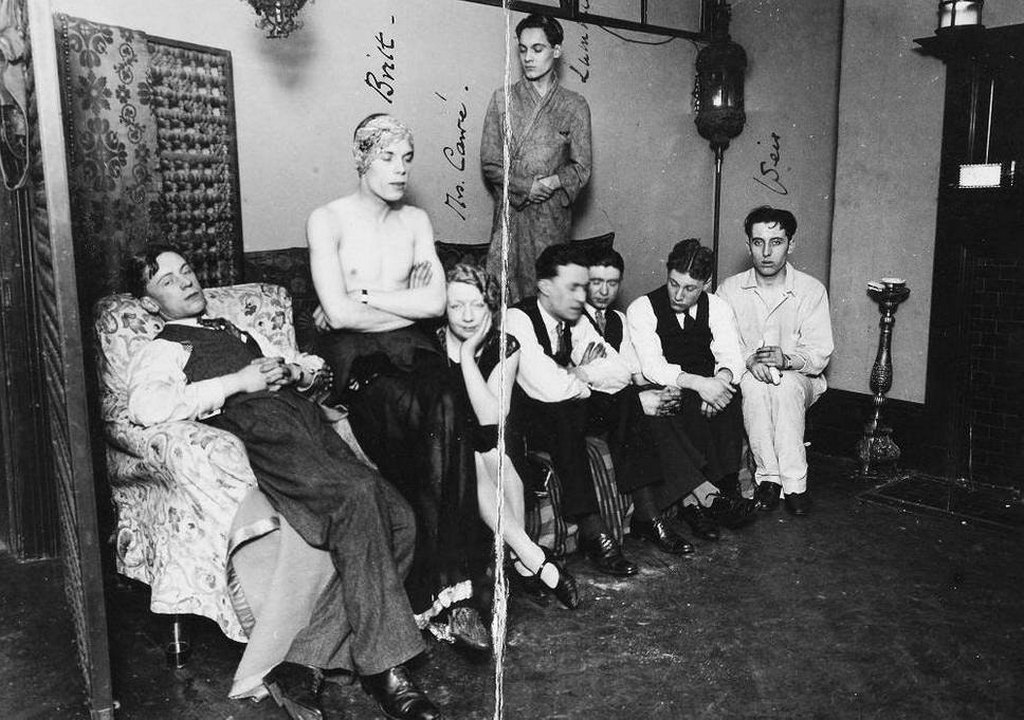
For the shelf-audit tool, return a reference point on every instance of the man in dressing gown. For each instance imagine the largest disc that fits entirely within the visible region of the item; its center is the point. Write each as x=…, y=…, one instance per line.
x=549, y=156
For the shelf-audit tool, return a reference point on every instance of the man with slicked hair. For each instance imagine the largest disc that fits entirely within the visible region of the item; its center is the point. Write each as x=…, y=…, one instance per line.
x=570, y=382
x=786, y=333
x=549, y=155
x=686, y=340
x=206, y=369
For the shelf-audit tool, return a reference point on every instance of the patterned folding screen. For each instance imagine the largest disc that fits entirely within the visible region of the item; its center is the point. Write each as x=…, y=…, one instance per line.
x=152, y=152
x=198, y=161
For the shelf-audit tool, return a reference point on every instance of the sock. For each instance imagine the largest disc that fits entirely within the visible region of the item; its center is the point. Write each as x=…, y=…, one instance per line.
x=527, y=563
x=644, y=507
x=704, y=494
x=591, y=525
x=549, y=575
x=730, y=485
x=689, y=500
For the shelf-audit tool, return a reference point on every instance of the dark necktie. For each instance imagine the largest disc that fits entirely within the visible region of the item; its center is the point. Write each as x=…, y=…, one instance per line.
x=688, y=321
x=226, y=326
x=602, y=322
x=564, y=352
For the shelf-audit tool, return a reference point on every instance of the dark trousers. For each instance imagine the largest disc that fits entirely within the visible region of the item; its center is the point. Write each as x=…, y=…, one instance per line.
x=561, y=428
x=334, y=502
x=672, y=455
x=411, y=425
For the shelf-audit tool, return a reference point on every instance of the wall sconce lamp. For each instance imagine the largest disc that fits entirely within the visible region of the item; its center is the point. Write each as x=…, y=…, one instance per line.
x=959, y=13
x=277, y=17
x=718, y=99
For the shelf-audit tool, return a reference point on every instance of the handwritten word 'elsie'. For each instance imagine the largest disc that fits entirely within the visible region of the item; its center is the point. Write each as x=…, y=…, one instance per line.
x=383, y=85
x=771, y=177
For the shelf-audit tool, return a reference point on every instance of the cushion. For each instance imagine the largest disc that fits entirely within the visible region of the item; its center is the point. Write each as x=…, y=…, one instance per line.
x=452, y=253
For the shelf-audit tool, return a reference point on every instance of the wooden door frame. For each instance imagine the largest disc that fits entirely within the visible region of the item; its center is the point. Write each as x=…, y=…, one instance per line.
x=970, y=62
x=83, y=556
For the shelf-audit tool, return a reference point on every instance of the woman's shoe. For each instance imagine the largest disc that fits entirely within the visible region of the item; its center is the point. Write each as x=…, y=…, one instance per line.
x=528, y=583
x=565, y=590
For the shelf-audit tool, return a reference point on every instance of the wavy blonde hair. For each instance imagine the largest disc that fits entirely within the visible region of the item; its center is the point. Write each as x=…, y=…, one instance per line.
x=478, y=278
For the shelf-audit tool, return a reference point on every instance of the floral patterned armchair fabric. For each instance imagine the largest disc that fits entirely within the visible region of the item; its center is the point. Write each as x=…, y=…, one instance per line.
x=177, y=485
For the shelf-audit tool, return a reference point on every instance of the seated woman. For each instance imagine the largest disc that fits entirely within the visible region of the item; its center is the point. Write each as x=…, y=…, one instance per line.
x=473, y=352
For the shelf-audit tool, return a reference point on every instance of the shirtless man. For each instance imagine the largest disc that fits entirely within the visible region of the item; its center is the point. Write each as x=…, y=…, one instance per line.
x=376, y=274
x=363, y=246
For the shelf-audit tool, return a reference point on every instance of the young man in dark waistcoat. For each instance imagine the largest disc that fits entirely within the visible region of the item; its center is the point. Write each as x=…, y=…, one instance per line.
x=570, y=382
x=639, y=453
x=687, y=341
x=208, y=370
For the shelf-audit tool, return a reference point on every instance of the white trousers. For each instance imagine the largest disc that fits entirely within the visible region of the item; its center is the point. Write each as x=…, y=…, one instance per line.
x=773, y=416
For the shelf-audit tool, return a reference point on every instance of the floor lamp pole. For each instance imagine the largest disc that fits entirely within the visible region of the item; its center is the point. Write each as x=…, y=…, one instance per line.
x=719, y=153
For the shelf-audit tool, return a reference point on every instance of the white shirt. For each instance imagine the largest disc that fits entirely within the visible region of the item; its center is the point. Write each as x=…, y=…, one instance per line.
x=543, y=379
x=158, y=390
x=626, y=350
x=725, y=343
x=795, y=317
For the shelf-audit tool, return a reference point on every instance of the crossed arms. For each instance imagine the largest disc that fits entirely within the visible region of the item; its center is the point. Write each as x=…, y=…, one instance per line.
x=368, y=310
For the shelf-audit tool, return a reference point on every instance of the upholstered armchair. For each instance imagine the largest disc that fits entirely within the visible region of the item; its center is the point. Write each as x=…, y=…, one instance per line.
x=177, y=486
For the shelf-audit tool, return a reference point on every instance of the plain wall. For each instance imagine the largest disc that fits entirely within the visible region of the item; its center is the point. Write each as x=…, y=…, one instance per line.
x=791, y=91
x=890, y=130
x=791, y=101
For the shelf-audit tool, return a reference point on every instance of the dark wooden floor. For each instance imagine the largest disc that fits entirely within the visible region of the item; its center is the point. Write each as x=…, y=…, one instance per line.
x=856, y=611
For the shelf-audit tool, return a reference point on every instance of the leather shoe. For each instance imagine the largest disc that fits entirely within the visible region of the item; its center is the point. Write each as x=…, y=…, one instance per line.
x=565, y=589
x=798, y=503
x=296, y=688
x=468, y=629
x=733, y=513
x=398, y=697
x=700, y=521
x=606, y=555
x=661, y=534
x=528, y=585
x=767, y=496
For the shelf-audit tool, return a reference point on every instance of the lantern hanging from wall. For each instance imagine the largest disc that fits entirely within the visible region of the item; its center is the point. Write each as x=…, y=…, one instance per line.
x=955, y=14
x=277, y=17
x=718, y=99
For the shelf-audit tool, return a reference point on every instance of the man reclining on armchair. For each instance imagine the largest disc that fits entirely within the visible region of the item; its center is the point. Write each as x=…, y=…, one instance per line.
x=208, y=370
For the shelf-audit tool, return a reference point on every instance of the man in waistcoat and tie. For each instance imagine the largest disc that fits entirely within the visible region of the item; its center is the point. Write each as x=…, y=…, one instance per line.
x=570, y=383
x=656, y=457
x=208, y=370
x=687, y=342
x=604, y=283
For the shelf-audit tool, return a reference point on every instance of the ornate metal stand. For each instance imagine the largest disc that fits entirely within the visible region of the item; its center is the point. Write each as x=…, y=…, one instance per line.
x=876, y=450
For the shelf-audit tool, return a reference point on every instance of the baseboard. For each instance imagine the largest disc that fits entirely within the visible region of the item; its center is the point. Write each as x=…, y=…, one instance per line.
x=836, y=422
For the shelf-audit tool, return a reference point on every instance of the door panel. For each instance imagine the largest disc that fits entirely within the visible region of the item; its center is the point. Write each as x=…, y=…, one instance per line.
x=61, y=349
